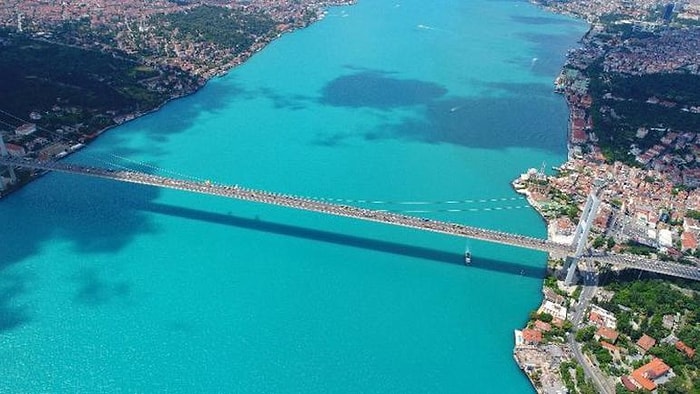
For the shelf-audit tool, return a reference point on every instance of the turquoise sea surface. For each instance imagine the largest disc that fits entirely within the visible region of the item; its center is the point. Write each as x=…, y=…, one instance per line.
x=111, y=287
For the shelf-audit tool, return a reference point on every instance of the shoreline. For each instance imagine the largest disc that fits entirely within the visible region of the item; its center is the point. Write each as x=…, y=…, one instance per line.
x=521, y=350
x=215, y=72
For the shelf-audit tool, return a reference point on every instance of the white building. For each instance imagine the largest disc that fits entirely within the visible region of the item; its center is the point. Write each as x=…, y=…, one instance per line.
x=26, y=129
x=557, y=311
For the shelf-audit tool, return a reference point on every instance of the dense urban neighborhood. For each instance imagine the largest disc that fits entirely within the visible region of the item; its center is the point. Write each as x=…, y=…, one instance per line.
x=632, y=89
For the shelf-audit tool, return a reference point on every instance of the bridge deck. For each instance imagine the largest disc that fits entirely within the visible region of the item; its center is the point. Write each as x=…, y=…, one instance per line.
x=266, y=197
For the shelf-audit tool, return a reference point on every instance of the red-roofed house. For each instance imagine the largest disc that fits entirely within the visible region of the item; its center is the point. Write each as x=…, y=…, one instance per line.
x=532, y=337
x=542, y=326
x=15, y=150
x=601, y=317
x=645, y=343
x=689, y=351
x=629, y=385
x=608, y=334
x=689, y=241
x=647, y=373
x=612, y=349
x=596, y=319
x=578, y=134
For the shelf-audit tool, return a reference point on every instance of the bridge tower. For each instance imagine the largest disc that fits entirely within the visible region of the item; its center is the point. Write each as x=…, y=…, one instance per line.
x=10, y=170
x=590, y=209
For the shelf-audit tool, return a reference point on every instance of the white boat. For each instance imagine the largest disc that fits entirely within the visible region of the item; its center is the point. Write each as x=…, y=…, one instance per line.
x=467, y=257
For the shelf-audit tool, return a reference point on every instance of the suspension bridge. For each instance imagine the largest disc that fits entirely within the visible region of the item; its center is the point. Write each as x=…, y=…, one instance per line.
x=262, y=196
x=382, y=216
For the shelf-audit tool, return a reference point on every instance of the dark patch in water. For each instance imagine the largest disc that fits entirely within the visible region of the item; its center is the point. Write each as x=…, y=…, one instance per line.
x=96, y=216
x=93, y=290
x=11, y=316
x=376, y=90
x=332, y=139
x=518, y=116
x=294, y=102
x=484, y=123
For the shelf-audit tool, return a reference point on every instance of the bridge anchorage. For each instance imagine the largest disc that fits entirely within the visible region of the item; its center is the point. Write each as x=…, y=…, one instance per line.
x=255, y=195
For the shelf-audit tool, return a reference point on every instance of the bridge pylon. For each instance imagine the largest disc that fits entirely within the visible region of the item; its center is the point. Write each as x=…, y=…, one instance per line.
x=588, y=215
x=10, y=169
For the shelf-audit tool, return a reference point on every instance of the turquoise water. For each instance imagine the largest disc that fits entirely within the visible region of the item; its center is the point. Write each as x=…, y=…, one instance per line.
x=115, y=287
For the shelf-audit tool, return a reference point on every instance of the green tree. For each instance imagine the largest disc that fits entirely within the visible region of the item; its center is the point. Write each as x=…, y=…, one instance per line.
x=676, y=385
x=598, y=242
x=546, y=317
x=585, y=334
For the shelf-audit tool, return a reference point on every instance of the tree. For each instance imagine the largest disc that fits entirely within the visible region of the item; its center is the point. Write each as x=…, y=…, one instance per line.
x=585, y=334
x=598, y=242
x=546, y=317
x=611, y=243
x=675, y=385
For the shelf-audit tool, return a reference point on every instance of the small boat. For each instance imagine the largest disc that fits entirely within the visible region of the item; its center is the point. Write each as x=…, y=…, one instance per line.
x=467, y=257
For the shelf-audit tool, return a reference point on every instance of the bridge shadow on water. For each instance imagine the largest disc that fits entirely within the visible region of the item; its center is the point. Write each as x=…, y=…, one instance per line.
x=396, y=248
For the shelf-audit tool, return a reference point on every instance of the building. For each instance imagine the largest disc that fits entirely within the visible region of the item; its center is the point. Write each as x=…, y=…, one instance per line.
x=646, y=375
x=557, y=311
x=682, y=347
x=629, y=385
x=689, y=241
x=665, y=238
x=690, y=224
x=645, y=343
x=612, y=349
x=15, y=150
x=601, y=317
x=691, y=177
x=607, y=334
x=669, y=321
x=26, y=129
x=550, y=295
x=532, y=337
x=542, y=326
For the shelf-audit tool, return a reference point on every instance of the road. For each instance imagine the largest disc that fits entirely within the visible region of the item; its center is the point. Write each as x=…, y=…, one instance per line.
x=589, y=283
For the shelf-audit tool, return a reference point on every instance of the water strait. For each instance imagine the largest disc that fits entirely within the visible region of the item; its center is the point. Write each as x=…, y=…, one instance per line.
x=110, y=287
